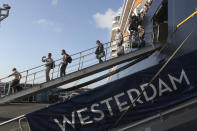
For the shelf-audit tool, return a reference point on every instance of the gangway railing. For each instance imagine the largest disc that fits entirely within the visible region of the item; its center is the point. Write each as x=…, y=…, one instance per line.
x=80, y=74
x=81, y=61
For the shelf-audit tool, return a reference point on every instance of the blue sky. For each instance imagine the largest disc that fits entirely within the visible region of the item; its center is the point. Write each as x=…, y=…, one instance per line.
x=36, y=27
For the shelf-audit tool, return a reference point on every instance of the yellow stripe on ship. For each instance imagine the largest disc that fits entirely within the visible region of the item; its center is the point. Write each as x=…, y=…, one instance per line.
x=186, y=19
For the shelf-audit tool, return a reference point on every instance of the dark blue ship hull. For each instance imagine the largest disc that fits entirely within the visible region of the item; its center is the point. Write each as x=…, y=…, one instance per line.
x=100, y=108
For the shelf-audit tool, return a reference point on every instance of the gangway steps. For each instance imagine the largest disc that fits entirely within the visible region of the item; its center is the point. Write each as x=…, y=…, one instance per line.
x=80, y=74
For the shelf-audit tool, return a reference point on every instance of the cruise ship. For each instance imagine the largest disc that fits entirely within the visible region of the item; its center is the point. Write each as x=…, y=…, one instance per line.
x=160, y=25
x=151, y=88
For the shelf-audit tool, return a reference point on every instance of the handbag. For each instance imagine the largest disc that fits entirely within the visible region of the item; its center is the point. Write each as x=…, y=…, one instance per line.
x=101, y=55
x=120, y=50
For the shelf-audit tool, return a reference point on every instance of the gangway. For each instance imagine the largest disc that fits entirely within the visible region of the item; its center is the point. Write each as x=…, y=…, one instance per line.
x=82, y=71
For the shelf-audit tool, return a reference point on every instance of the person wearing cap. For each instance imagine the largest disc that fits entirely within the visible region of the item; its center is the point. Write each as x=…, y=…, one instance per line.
x=17, y=77
x=99, y=51
x=48, y=66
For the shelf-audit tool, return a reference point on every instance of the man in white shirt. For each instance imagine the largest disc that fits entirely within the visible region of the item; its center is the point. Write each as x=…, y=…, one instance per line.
x=48, y=66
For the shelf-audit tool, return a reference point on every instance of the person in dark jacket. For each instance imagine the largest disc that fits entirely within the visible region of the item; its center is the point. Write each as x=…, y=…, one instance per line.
x=99, y=51
x=134, y=22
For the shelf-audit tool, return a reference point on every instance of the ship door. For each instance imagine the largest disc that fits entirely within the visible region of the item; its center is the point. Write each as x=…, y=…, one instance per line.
x=160, y=23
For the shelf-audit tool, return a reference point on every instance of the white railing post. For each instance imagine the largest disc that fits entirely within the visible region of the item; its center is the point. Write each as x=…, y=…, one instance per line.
x=34, y=79
x=106, y=52
x=26, y=78
x=53, y=70
x=82, y=62
x=79, y=61
x=58, y=71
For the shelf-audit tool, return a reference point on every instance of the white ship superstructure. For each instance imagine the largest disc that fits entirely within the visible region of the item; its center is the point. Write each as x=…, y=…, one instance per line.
x=121, y=21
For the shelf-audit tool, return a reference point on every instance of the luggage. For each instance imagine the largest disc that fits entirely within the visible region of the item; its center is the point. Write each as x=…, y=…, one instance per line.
x=69, y=59
x=120, y=50
x=134, y=42
x=52, y=65
x=142, y=43
x=101, y=55
x=18, y=88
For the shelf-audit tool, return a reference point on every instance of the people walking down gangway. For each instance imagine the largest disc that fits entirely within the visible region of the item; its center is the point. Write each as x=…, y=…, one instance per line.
x=50, y=64
x=66, y=58
x=137, y=38
x=119, y=42
x=100, y=53
x=14, y=87
x=134, y=21
x=137, y=32
x=133, y=29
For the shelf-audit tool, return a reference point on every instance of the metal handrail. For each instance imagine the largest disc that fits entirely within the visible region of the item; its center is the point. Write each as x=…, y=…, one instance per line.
x=28, y=70
x=60, y=64
x=57, y=65
x=81, y=62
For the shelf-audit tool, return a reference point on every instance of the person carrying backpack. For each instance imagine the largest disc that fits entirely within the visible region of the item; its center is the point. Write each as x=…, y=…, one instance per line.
x=100, y=53
x=65, y=60
x=50, y=64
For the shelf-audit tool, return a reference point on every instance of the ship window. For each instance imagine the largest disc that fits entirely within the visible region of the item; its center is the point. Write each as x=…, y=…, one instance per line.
x=160, y=23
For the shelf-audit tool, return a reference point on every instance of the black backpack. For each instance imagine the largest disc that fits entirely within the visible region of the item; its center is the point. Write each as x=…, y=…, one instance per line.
x=52, y=65
x=69, y=59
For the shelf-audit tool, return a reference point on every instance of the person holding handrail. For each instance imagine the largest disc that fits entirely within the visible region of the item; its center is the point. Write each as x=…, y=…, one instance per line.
x=48, y=66
x=17, y=77
x=100, y=53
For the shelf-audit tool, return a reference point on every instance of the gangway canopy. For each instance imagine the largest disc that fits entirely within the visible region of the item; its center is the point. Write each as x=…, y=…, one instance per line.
x=80, y=74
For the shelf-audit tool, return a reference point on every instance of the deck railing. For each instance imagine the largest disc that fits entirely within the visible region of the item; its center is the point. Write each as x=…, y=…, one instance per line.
x=80, y=60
